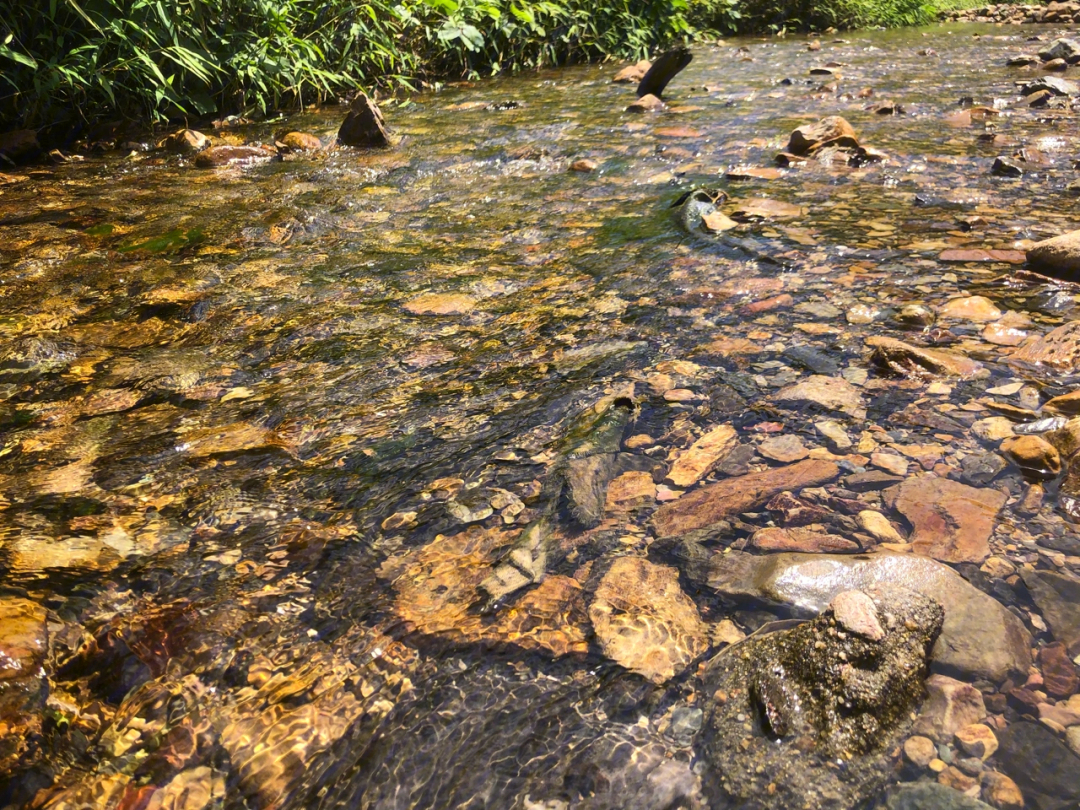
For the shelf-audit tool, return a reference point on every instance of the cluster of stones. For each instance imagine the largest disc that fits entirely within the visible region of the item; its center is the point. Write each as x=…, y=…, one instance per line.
x=1016, y=13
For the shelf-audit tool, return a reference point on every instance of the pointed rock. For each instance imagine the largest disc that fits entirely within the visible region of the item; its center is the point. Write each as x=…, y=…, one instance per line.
x=364, y=125
x=663, y=70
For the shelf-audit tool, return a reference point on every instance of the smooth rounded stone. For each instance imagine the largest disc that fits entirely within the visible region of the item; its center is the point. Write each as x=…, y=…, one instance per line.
x=186, y=141
x=584, y=166
x=953, y=777
x=1060, y=678
x=920, y=750
x=1034, y=455
x=831, y=393
x=701, y=510
x=1056, y=65
x=632, y=74
x=915, y=315
x=440, y=304
x=971, y=308
x=1072, y=738
x=1061, y=716
x=951, y=522
x=1001, y=792
x=809, y=138
x=769, y=743
x=364, y=125
x=663, y=70
x=907, y=360
x=879, y=526
x=972, y=766
x=703, y=455
x=1058, y=598
x=980, y=638
x=1058, y=256
x=1058, y=350
x=950, y=706
x=301, y=141
x=1045, y=770
x=1064, y=405
x=787, y=448
x=774, y=539
x=931, y=796
x=977, y=740
x=644, y=621
x=648, y=103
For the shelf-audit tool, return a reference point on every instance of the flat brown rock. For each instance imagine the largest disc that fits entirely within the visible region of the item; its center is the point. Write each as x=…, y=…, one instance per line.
x=696, y=461
x=761, y=208
x=905, y=359
x=951, y=522
x=1058, y=350
x=644, y=621
x=831, y=393
x=980, y=255
x=810, y=137
x=796, y=539
x=704, y=508
x=440, y=304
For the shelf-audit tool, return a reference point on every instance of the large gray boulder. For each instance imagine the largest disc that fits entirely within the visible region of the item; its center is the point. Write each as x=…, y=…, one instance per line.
x=980, y=638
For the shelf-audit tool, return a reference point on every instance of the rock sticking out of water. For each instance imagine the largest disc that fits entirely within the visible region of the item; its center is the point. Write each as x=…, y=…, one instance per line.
x=1058, y=256
x=787, y=705
x=662, y=71
x=364, y=125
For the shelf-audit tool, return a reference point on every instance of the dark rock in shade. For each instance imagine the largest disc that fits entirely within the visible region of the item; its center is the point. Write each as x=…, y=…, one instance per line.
x=931, y=796
x=1006, y=167
x=663, y=70
x=364, y=125
x=980, y=638
x=787, y=704
x=871, y=480
x=1065, y=49
x=979, y=469
x=587, y=481
x=813, y=359
x=1047, y=772
x=1058, y=599
x=1060, y=678
x=18, y=146
x=1053, y=84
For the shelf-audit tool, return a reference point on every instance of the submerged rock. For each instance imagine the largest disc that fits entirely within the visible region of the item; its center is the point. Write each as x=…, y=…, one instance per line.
x=906, y=360
x=787, y=706
x=1057, y=350
x=691, y=209
x=662, y=71
x=952, y=522
x=364, y=125
x=979, y=639
x=830, y=131
x=1058, y=598
x=23, y=687
x=1046, y=771
x=218, y=156
x=931, y=796
x=644, y=621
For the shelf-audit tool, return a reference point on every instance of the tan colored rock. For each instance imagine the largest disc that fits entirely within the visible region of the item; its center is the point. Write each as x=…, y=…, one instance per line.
x=698, y=460
x=364, y=125
x=221, y=156
x=440, y=304
x=975, y=308
x=193, y=789
x=920, y=750
x=1058, y=350
x=832, y=393
x=1059, y=714
x=950, y=706
x=23, y=687
x=956, y=779
x=1058, y=256
x=1064, y=405
x=647, y=103
x=1033, y=454
x=1011, y=329
x=1001, y=792
x=632, y=74
x=726, y=632
x=907, y=360
x=773, y=539
x=702, y=509
x=830, y=131
x=993, y=428
x=644, y=621
x=31, y=553
x=301, y=141
x=787, y=448
x=890, y=462
x=631, y=490
x=717, y=222
x=878, y=525
x=977, y=740
x=856, y=613
x=584, y=166
x=951, y=522
x=185, y=141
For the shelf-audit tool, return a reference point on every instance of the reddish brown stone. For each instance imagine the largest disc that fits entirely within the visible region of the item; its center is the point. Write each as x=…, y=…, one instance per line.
x=1059, y=673
x=704, y=508
x=795, y=539
x=980, y=255
x=952, y=522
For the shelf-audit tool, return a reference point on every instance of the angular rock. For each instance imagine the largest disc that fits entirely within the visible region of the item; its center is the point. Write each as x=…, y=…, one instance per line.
x=879, y=526
x=1066, y=49
x=951, y=706
x=1046, y=771
x=364, y=125
x=1058, y=256
x=1006, y=167
x=767, y=743
x=905, y=359
x=977, y=740
x=774, y=539
x=1065, y=405
x=1058, y=599
x=701, y=510
x=980, y=638
x=1060, y=678
x=951, y=522
x=830, y=131
x=662, y=71
x=975, y=308
x=830, y=393
x=440, y=304
x=644, y=621
x=698, y=460
x=648, y=103
x=1052, y=84
x=787, y=448
x=631, y=74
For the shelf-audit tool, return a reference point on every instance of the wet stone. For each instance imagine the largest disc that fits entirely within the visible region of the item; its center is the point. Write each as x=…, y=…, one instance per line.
x=931, y=796
x=1058, y=599
x=1046, y=771
x=952, y=522
x=1060, y=678
x=364, y=125
x=783, y=448
x=951, y=705
x=787, y=686
x=979, y=469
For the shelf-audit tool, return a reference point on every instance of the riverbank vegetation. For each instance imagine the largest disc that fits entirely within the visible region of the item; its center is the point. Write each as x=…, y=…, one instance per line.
x=69, y=63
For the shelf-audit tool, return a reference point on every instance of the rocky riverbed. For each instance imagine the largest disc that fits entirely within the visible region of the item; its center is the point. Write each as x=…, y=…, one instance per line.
x=473, y=470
